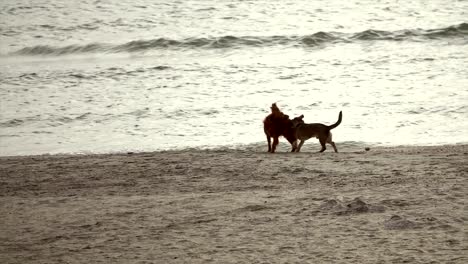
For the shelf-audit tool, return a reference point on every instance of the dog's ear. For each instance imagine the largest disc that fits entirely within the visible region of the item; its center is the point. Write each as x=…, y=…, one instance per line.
x=301, y=117
x=274, y=108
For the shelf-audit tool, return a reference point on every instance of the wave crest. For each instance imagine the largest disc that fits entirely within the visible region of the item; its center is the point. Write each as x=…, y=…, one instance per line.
x=71, y=49
x=316, y=39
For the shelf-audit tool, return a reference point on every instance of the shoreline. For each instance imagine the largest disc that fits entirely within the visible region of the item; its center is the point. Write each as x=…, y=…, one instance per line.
x=389, y=204
x=310, y=146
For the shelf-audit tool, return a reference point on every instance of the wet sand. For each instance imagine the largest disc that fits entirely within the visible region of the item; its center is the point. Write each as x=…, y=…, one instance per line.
x=386, y=205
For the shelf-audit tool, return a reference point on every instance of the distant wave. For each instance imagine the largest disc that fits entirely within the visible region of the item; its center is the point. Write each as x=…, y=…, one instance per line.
x=316, y=39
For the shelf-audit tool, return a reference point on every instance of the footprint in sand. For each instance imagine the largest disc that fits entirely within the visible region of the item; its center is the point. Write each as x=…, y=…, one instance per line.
x=397, y=222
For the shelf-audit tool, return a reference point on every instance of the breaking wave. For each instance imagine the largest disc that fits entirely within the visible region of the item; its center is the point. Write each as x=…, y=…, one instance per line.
x=319, y=38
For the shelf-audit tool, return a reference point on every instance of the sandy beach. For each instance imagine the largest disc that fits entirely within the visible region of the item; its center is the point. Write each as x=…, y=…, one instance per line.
x=386, y=205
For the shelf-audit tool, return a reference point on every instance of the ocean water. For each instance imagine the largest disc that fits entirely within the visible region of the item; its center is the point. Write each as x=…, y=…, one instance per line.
x=110, y=76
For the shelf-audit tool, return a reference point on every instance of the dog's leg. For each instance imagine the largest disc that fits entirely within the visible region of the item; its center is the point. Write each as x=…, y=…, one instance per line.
x=300, y=145
x=294, y=146
x=330, y=141
x=275, y=143
x=322, y=142
x=334, y=146
x=269, y=143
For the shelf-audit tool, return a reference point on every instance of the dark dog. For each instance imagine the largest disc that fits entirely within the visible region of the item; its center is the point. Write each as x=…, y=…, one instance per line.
x=278, y=124
x=322, y=132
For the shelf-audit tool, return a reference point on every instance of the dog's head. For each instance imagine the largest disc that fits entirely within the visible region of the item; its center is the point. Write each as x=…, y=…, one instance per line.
x=274, y=108
x=297, y=121
x=276, y=111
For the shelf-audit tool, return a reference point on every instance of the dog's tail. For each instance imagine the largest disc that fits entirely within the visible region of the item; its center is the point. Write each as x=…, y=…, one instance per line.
x=340, y=117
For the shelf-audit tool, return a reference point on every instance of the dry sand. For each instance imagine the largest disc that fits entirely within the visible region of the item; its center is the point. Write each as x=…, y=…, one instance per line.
x=387, y=205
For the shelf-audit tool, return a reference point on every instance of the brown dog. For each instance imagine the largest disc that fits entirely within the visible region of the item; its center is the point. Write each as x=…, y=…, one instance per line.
x=322, y=132
x=278, y=124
